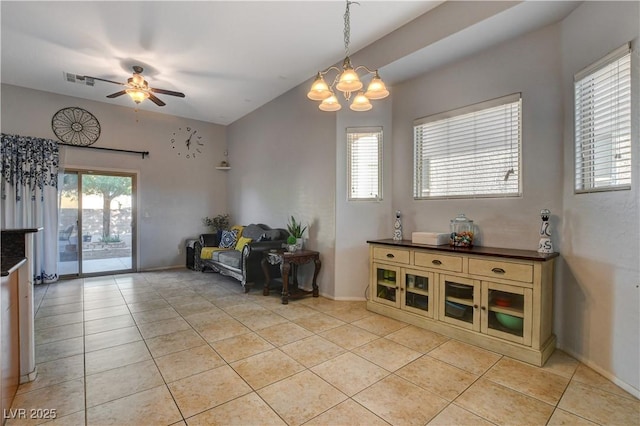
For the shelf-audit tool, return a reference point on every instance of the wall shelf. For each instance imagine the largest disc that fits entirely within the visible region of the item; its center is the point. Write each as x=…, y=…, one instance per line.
x=223, y=168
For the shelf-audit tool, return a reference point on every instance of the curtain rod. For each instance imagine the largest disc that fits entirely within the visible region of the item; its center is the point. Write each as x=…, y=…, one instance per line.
x=143, y=153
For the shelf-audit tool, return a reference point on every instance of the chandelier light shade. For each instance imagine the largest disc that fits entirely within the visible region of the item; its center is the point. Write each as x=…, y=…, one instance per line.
x=347, y=81
x=376, y=89
x=361, y=103
x=330, y=104
x=319, y=89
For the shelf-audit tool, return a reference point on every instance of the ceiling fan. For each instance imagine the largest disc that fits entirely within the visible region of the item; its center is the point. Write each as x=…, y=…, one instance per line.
x=138, y=88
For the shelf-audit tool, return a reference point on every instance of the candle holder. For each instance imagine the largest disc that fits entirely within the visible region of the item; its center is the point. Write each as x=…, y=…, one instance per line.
x=397, y=227
x=545, y=245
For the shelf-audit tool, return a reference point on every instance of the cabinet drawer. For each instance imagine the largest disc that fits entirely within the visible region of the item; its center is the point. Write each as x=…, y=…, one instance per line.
x=391, y=255
x=497, y=269
x=438, y=261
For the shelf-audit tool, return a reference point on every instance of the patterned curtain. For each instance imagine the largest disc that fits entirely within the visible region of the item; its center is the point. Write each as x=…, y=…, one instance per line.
x=29, y=196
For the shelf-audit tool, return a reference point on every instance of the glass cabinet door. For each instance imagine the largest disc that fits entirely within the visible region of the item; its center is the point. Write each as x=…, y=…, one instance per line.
x=508, y=311
x=386, y=284
x=419, y=292
x=459, y=302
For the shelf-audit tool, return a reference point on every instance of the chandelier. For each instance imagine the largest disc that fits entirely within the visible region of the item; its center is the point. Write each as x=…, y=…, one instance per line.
x=347, y=81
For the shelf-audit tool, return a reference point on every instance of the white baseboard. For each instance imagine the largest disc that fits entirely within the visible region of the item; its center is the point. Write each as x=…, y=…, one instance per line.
x=30, y=377
x=162, y=268
x=343, y=299
x=606, y=374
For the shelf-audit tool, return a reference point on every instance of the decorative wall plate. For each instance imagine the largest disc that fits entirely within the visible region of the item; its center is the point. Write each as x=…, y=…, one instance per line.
x=75, y=126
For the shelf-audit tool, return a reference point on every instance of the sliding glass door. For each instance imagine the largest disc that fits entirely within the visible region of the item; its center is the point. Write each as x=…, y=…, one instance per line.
x=97, y=223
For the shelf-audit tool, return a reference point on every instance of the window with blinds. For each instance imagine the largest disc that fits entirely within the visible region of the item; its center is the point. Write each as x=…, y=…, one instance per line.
x=471, y=152
x=603, y=124
x=364, y=162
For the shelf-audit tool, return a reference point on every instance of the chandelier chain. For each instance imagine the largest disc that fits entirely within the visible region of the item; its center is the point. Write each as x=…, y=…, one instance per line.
x=347, y=27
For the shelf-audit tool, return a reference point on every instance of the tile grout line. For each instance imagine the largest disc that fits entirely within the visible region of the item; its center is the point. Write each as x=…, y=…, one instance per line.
x=166, y=385
x=318, y=310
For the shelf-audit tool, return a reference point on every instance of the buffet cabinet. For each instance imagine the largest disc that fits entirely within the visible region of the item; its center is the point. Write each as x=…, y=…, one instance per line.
x=498, y=299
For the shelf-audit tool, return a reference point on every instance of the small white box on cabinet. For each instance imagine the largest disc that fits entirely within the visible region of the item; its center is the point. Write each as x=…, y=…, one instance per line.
x=431, y=238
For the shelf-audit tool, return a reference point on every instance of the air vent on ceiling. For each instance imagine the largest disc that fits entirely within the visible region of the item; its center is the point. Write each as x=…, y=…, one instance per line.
x=80, y=79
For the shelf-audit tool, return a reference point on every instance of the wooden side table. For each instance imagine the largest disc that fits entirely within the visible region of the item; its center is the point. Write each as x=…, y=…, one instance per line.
x=289, y=262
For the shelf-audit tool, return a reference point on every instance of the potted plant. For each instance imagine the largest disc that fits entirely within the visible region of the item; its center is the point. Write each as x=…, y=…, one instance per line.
x=217, y=223
x=291, y=244
x=296, y=230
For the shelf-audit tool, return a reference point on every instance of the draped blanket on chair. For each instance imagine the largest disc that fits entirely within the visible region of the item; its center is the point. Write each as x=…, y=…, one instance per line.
x=29, y=196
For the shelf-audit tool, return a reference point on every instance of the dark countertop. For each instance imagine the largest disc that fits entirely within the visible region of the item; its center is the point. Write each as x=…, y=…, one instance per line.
x=477, y=250
x=10, y=264
x=22, y=230
x=13, y=248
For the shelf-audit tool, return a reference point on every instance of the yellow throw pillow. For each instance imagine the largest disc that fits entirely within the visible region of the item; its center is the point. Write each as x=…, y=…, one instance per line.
x=242, y=241
x=239, y=228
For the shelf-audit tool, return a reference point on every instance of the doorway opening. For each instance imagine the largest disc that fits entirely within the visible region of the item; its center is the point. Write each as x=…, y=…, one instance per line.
x=96, y=225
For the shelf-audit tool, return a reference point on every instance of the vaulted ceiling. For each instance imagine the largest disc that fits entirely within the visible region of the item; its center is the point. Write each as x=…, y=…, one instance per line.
x=228, y=57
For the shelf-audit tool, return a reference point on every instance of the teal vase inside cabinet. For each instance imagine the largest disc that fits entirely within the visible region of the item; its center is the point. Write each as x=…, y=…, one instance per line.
x=459, y=302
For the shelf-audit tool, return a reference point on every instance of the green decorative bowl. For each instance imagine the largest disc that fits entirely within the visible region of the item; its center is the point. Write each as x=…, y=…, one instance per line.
x=509, y=321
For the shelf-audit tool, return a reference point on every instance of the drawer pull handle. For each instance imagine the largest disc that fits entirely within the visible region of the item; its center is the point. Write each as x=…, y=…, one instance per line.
x=436, y=262
x=390, y=256
x=498, y=270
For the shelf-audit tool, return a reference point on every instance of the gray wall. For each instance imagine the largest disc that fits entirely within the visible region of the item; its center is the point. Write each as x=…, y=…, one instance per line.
x=530, y=65
x=359, y=221
x=283, y=163
x=596, y=296
x=598, y=320
x=174, y=193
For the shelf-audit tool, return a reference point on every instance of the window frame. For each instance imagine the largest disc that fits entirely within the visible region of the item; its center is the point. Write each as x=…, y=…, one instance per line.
x=419, y=182
x=378, y=131
x=585, y=181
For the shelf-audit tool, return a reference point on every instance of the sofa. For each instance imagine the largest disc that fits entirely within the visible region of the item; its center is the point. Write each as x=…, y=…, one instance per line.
x=238, y=252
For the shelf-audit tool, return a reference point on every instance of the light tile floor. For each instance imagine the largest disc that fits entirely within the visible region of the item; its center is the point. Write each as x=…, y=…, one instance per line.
x=182, y=347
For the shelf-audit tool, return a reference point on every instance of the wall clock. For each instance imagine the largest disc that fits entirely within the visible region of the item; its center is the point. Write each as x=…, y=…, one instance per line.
x=75, y=126
x=187, y=142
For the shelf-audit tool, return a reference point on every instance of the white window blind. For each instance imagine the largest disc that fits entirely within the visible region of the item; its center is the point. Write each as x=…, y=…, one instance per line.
x=470, y=152
x=603, y=124
x=364, y=159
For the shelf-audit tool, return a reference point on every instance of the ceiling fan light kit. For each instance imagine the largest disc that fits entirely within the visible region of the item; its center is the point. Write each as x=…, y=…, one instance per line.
x=347, y=81
x=138, y=88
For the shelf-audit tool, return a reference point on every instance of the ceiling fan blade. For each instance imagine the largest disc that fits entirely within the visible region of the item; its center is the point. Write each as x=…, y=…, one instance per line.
x=155, y=100
x=102, y=79
x=167, y=92
x=115, y=95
